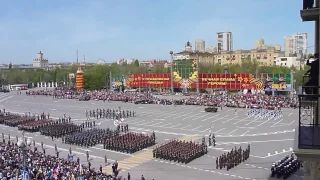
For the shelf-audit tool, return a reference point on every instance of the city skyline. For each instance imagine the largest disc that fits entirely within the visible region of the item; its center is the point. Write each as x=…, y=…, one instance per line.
x=139, y=30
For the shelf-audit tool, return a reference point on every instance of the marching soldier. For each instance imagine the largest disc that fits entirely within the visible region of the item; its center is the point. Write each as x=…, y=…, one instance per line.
x=217, y=163
x=87, y=154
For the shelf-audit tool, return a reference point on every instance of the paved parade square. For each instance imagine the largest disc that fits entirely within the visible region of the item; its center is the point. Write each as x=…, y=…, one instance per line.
x=270, y=139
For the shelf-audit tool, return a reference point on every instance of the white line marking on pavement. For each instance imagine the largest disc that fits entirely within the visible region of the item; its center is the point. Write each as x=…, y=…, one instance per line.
x=265, y=122
x=230, y=119
x=197, y=128
x=276, y=123
x=137, y=122
x=164, y=125
x=75, y=152
x=246, y=127
x=183, y=115
x=244, y=133
x=156, y=124
x=198, y=117
x=220, y=118
x=275, y=140
x=111, y=151
x=6, y=98
x=159, y=119
x=241, y=120
x=186, y=127
x=289, y=114
x=256, y=119
x=232, y=132
x=220, y=130
x=146, y=123
x=175, y=125
x=210, y=117
x=84, y=149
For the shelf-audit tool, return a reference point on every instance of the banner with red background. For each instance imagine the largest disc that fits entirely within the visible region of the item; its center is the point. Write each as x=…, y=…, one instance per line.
x=149, y=80
x=232, y=81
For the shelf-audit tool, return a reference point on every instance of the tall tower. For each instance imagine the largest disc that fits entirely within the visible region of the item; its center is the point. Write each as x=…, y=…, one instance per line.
x=224, y=41
x=296, y=44
x=200, y=45
x=188, y=47
x=258, y=43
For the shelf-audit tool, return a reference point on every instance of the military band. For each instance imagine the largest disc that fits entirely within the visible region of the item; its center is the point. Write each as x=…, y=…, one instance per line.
x=110, y=113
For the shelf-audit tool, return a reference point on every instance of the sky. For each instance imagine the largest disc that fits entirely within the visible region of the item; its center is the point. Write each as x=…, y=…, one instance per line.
x=142, y=29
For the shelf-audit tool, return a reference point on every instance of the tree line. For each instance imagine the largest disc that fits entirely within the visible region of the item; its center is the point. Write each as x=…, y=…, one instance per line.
x=97, y=76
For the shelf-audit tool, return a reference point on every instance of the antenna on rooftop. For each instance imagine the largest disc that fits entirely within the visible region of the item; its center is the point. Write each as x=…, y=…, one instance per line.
x=77, y=57
x=84, y=58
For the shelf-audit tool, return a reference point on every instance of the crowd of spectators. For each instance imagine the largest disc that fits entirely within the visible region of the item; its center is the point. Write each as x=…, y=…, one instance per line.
x=230, y=100
x=15, y=159
x=40, y=166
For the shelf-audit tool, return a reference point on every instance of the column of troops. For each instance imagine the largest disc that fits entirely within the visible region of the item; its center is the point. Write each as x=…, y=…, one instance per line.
x=7, y=117
x=130, y=142
x=233, y=158
x=59, y=130
x=110, y=113
x=180, y=151
x=90, y=137
x=35, y=126
x=14, y=121
x=285, y=167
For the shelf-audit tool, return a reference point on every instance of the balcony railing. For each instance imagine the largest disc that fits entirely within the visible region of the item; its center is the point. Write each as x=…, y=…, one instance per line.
x=309, y=125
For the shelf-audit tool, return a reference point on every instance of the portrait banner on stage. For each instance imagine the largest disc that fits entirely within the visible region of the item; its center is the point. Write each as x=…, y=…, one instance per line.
x=149, y=80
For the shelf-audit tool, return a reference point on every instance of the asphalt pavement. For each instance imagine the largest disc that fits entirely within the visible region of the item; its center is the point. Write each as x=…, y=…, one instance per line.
x=270, y=140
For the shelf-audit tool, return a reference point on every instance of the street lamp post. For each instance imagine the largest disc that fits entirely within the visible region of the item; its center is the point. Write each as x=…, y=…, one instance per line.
x=24, y=146
x=171, y=72
x=292, y=81
x=225, y=68
x=149, y=70
x=198, y=91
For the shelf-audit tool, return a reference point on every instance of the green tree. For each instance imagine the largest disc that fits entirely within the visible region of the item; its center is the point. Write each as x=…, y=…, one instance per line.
x=136, y=63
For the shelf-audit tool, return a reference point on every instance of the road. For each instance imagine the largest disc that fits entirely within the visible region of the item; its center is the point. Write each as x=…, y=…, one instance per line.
x=270, y=140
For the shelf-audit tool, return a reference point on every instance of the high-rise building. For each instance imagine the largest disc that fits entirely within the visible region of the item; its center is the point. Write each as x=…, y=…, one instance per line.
x=200, y=45
x=224, y=41
x=296, y=44
x=258, y=43
x=211, y=49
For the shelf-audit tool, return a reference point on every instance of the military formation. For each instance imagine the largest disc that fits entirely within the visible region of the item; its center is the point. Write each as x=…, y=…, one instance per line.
x=130, y=142
x=233, y=158
x=90, y=137
x=59, y=130
x=7, y=116
x=14, y=120
x=285, y=167
x=180, y=151
x=110, y=113
x=35, y=126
